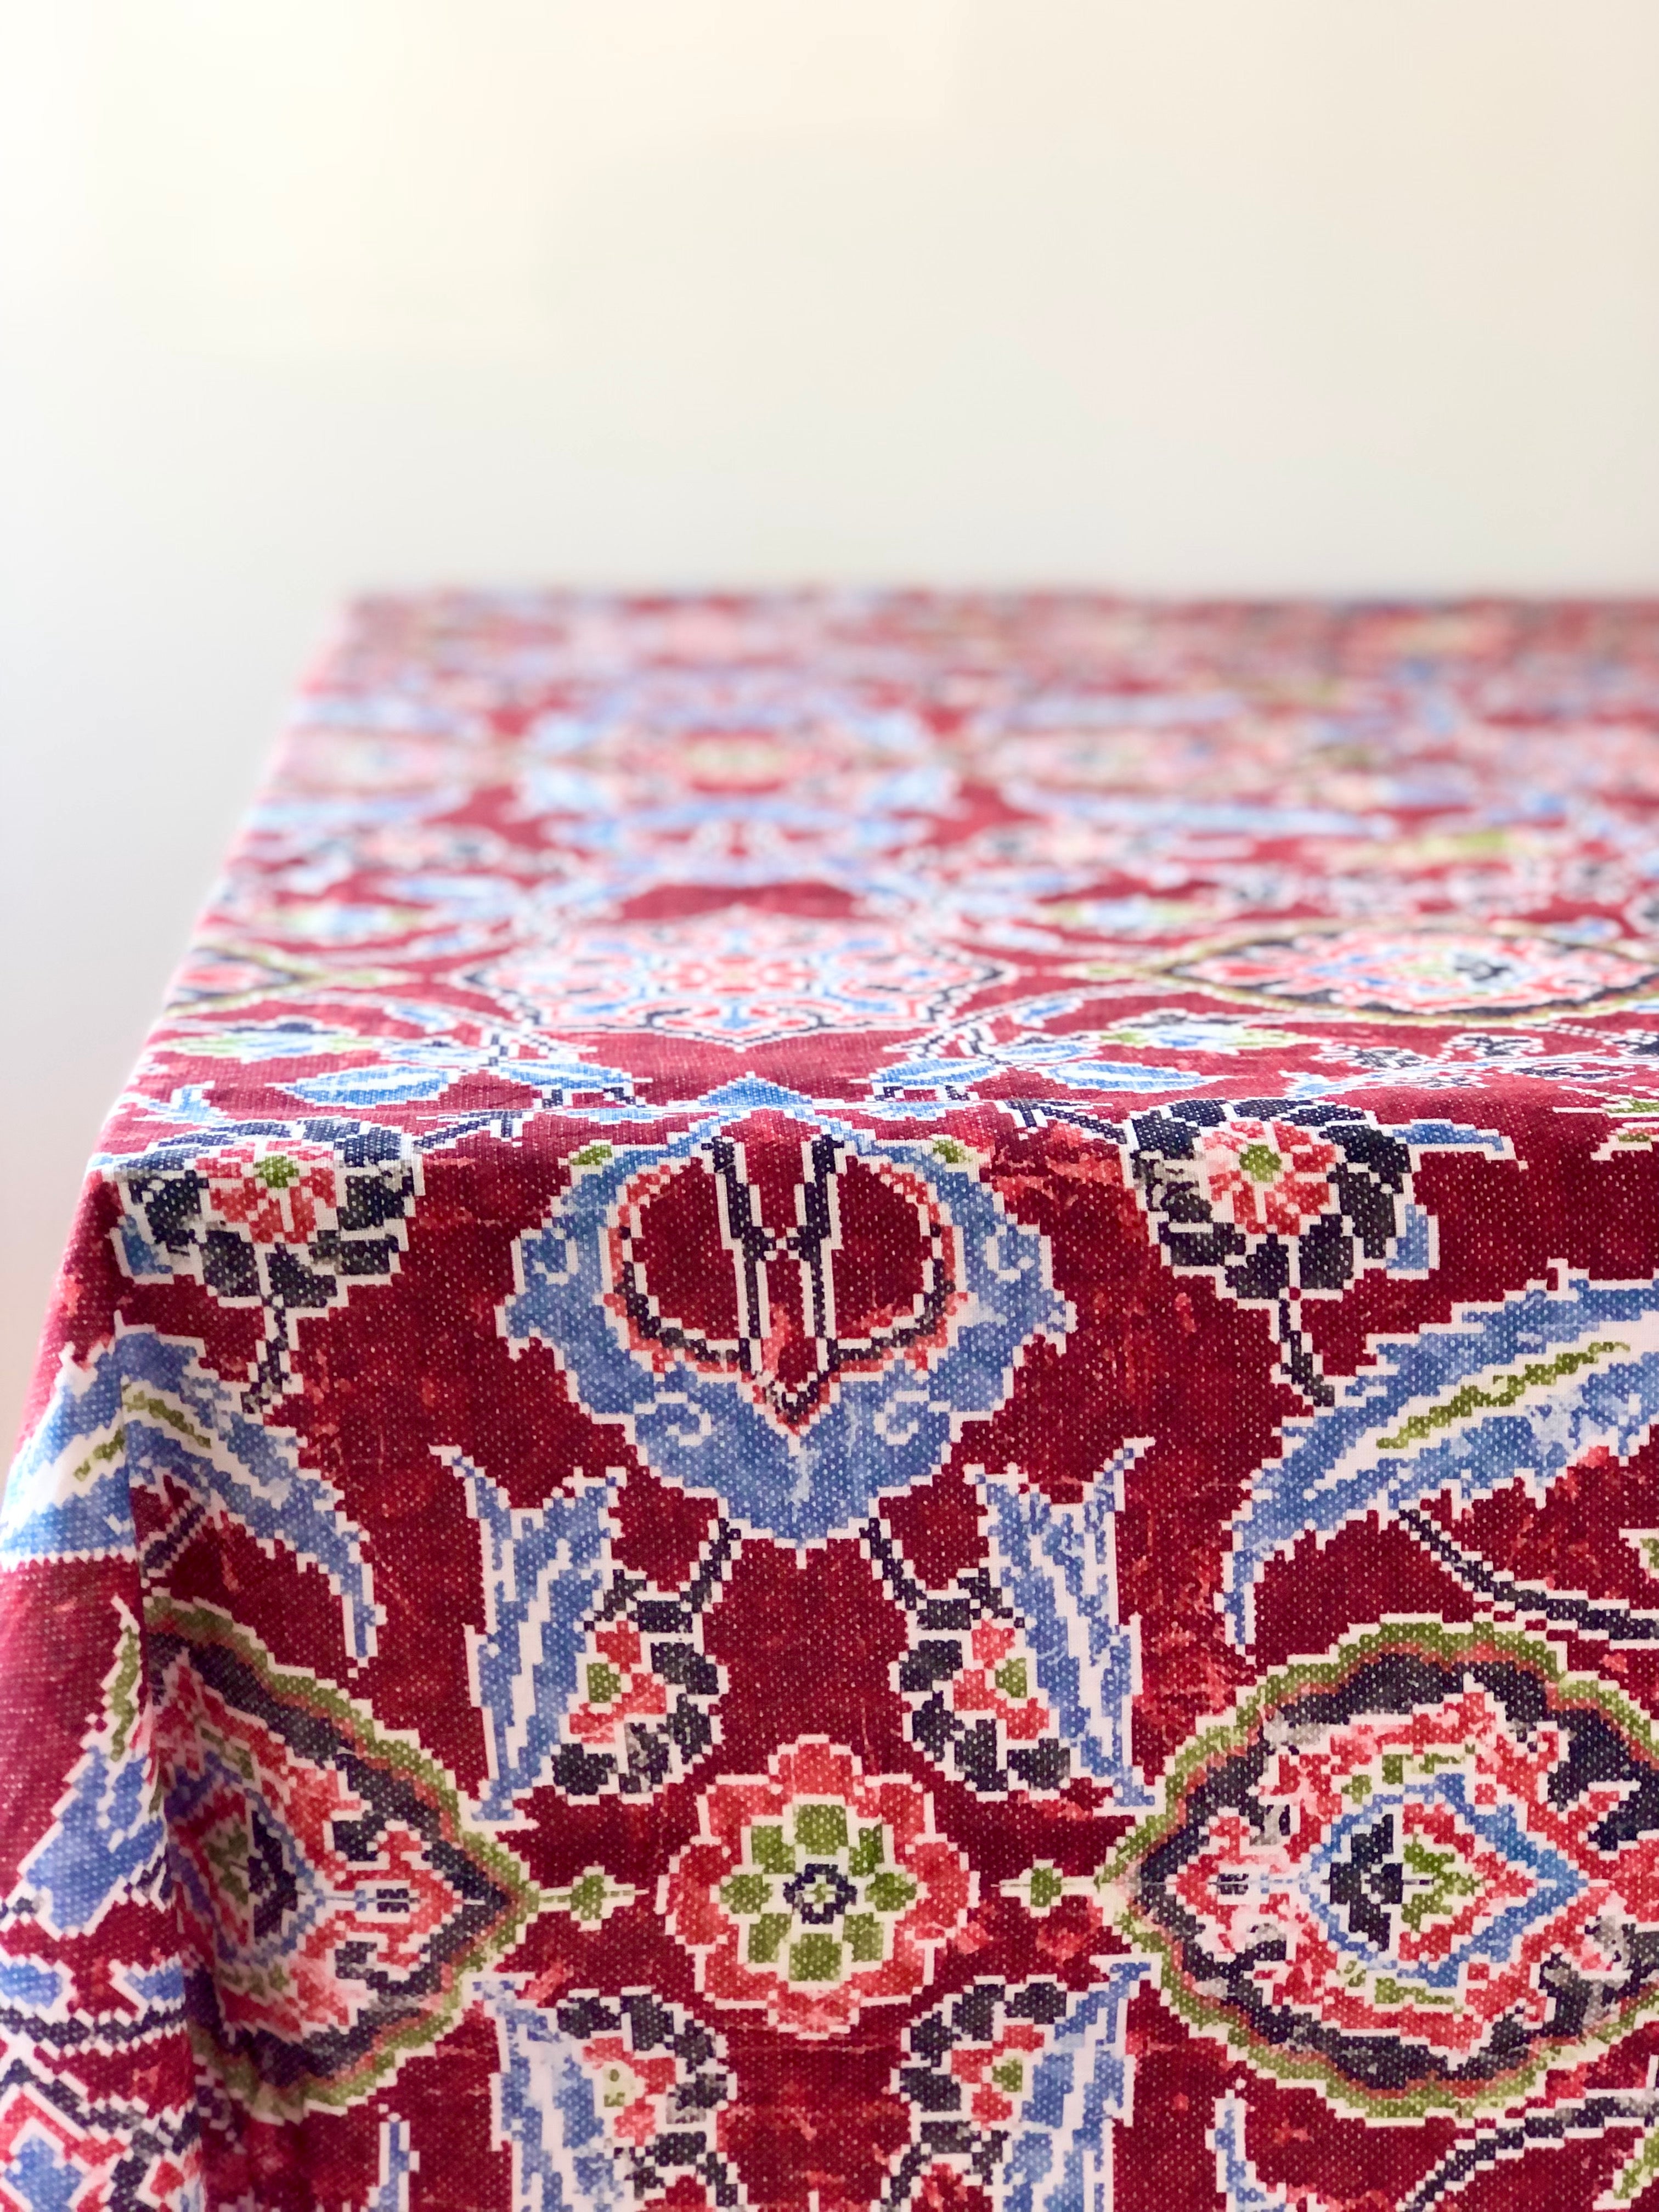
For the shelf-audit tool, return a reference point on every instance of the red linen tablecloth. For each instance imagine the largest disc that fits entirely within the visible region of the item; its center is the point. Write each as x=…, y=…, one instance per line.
x=856, y=1411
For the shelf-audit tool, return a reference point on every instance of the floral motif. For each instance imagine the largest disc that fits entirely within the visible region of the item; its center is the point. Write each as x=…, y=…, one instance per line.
x=781, y=1310
x=279, y=1196
x=619, y=1686
x=845, y=1290
x=1268, y=1176
x=996, y=2073
x=645, y=1690
x=1277, y=1209
x=631, y=2089
x=286, y=1222
x=991, y=2078
x=1416, y=1875
x=987, y=1711
x=716, y=771
x=742, y=979
x=332, y=1896
x=609, y=2101
x=814, y=1890
x=658, y=2086
x=970, y=2068
x=587, y=1676
x=1000, y=1681
x=971, y=1680
x=1428, y=973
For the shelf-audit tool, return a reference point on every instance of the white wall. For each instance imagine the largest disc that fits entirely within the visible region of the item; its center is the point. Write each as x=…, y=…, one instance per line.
x=1251, y=294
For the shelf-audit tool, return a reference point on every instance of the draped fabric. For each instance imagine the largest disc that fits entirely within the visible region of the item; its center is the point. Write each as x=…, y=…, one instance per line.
x=856, y=1411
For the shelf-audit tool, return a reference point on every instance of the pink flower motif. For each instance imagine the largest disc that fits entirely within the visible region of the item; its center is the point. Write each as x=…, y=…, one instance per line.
x=280, y=1192
x=619, y=1687
x=815, y=1890
x=1268, y=1175
x=1001, y=1681
x=629, y=2089
x=998, y=2074
x=1440, y=1799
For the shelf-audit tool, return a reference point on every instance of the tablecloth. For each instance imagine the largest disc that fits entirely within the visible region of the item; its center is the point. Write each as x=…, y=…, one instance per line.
x=856, y=1411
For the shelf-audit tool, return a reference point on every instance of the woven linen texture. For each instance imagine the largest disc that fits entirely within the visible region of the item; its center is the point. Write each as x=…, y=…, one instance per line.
x=857, y=1411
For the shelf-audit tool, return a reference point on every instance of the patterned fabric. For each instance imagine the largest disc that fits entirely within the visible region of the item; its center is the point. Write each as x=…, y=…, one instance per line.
x=858, y=1411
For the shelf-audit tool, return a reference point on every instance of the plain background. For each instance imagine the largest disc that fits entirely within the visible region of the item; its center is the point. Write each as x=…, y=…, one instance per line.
x=1241, y=295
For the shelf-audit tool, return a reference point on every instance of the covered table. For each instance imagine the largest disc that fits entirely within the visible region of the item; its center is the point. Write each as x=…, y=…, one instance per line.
x=856, y=1411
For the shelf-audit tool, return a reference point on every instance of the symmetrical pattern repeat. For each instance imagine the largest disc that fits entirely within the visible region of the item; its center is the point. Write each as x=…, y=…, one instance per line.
x=858, y=1411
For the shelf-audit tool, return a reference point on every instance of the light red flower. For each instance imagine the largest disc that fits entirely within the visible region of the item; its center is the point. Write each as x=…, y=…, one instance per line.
x=998, y=2074
x=629, y=2089
x=815, y=1890
x=280, y=1193
x=1268, y=1175
x=1001, y=1681
x=619, y=1687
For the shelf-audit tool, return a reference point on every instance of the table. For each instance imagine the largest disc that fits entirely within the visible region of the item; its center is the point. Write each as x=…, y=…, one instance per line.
x=856, y=1411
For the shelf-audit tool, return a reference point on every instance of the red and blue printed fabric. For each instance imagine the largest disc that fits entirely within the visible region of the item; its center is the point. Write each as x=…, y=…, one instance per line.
x=858, y=1411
